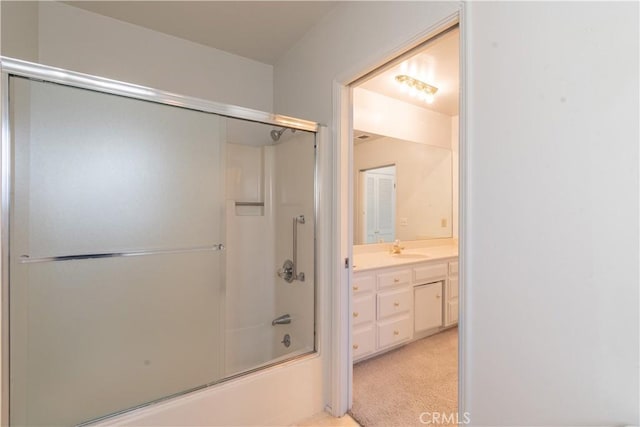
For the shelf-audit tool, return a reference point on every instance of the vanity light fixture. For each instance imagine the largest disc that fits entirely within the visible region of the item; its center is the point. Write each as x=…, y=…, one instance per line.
x=418, y=88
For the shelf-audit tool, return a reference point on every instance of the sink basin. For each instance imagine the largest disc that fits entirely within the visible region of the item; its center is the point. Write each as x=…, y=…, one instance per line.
x=410, y=256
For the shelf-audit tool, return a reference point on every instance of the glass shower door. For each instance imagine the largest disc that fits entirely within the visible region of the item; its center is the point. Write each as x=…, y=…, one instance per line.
x=116, y=280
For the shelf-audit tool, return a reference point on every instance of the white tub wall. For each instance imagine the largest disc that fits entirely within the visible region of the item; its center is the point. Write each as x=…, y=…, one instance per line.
x=279, y=396
x=250, y=296
x=293, y=196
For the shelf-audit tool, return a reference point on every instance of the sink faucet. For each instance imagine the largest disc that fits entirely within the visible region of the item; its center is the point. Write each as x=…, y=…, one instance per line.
x=396, y=248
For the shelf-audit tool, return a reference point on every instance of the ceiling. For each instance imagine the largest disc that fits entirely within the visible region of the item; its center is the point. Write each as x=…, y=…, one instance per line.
x=437, y=64
x=260, y=30
x=265, y=30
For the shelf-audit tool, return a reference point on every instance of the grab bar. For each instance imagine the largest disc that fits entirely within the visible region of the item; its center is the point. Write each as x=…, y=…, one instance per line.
x=25, y=259
x=289, y=270
x=296, y=220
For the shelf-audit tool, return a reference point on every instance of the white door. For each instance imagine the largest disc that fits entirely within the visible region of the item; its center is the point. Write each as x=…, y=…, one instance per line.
x=379, y=213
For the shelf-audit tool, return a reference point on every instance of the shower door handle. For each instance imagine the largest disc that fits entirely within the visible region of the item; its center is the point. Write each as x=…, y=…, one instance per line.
x=289, y=269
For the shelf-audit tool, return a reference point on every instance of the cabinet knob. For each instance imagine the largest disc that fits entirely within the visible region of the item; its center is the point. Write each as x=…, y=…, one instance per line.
x=396, y=280
x=355, y=314
x=396, y=332
x=355, y=346
x=396, y=304
x=355, y=288
x=437, y=296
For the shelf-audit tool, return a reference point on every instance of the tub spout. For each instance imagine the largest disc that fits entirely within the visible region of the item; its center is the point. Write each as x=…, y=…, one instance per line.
x=285, y=319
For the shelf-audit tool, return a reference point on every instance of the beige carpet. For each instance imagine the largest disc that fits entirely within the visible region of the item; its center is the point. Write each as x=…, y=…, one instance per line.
x=395, y=388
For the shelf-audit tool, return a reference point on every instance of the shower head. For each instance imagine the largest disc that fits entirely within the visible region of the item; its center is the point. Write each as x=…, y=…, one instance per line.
x=276, y=134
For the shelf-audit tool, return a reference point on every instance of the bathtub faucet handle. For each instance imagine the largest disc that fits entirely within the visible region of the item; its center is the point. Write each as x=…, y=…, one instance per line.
x=285, y=319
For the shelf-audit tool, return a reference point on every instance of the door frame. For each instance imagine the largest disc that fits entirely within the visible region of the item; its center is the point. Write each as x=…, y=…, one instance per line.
x=343, y=186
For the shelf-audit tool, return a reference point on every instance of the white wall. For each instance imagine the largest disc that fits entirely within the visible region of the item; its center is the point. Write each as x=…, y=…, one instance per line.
x=75, y=39
x=552, y=214
x=19, y=26
x=552, y=231
x=387, y=116
x=352, y=37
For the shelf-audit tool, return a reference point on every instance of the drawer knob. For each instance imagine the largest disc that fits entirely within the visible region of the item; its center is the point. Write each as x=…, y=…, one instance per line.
x=355, y=346
x=355, y=314
x=396, y=280
x=396, y=304
x=355, y=288
x=396, y=332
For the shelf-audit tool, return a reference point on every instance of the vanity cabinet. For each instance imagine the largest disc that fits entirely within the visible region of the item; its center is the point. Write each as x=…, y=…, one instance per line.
x=364, y=312
x=451, y=307
x=393, y=305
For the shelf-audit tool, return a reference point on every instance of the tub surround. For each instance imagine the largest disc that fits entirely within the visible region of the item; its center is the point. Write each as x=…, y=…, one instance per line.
x=399, y=298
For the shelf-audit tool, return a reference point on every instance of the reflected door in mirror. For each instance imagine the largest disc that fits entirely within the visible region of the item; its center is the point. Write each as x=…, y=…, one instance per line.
x=379, y=204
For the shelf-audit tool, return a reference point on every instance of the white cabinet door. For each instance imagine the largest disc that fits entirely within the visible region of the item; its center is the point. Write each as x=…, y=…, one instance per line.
x=427, y=306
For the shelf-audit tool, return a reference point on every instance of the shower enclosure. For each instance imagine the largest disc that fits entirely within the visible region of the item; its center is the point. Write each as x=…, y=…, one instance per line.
x=152, y=244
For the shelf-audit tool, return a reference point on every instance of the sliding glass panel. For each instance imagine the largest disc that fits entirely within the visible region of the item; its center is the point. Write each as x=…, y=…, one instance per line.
x=269, y=185
x=293, y=200
x=154, y=250
x=98, y=174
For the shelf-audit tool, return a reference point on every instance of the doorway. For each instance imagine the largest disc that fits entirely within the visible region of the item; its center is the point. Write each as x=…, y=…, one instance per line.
x=411, y=105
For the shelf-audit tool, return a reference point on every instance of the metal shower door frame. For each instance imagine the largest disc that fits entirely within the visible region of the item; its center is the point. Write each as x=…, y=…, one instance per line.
x=19, y=68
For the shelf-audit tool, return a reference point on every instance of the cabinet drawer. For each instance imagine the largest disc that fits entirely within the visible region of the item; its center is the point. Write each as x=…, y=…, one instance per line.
x=430, y=272
x=362, y=284
x=394, y=331
x=395, y=278
x=363, y=310
x=363, y=342
x=394, y=302
x=452, y=292
x=453, y=267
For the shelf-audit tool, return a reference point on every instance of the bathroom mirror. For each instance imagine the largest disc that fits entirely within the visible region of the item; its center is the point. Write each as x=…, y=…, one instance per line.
x=402, y=190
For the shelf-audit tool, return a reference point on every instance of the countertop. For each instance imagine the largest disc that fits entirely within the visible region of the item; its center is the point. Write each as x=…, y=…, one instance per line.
x=368, y=260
